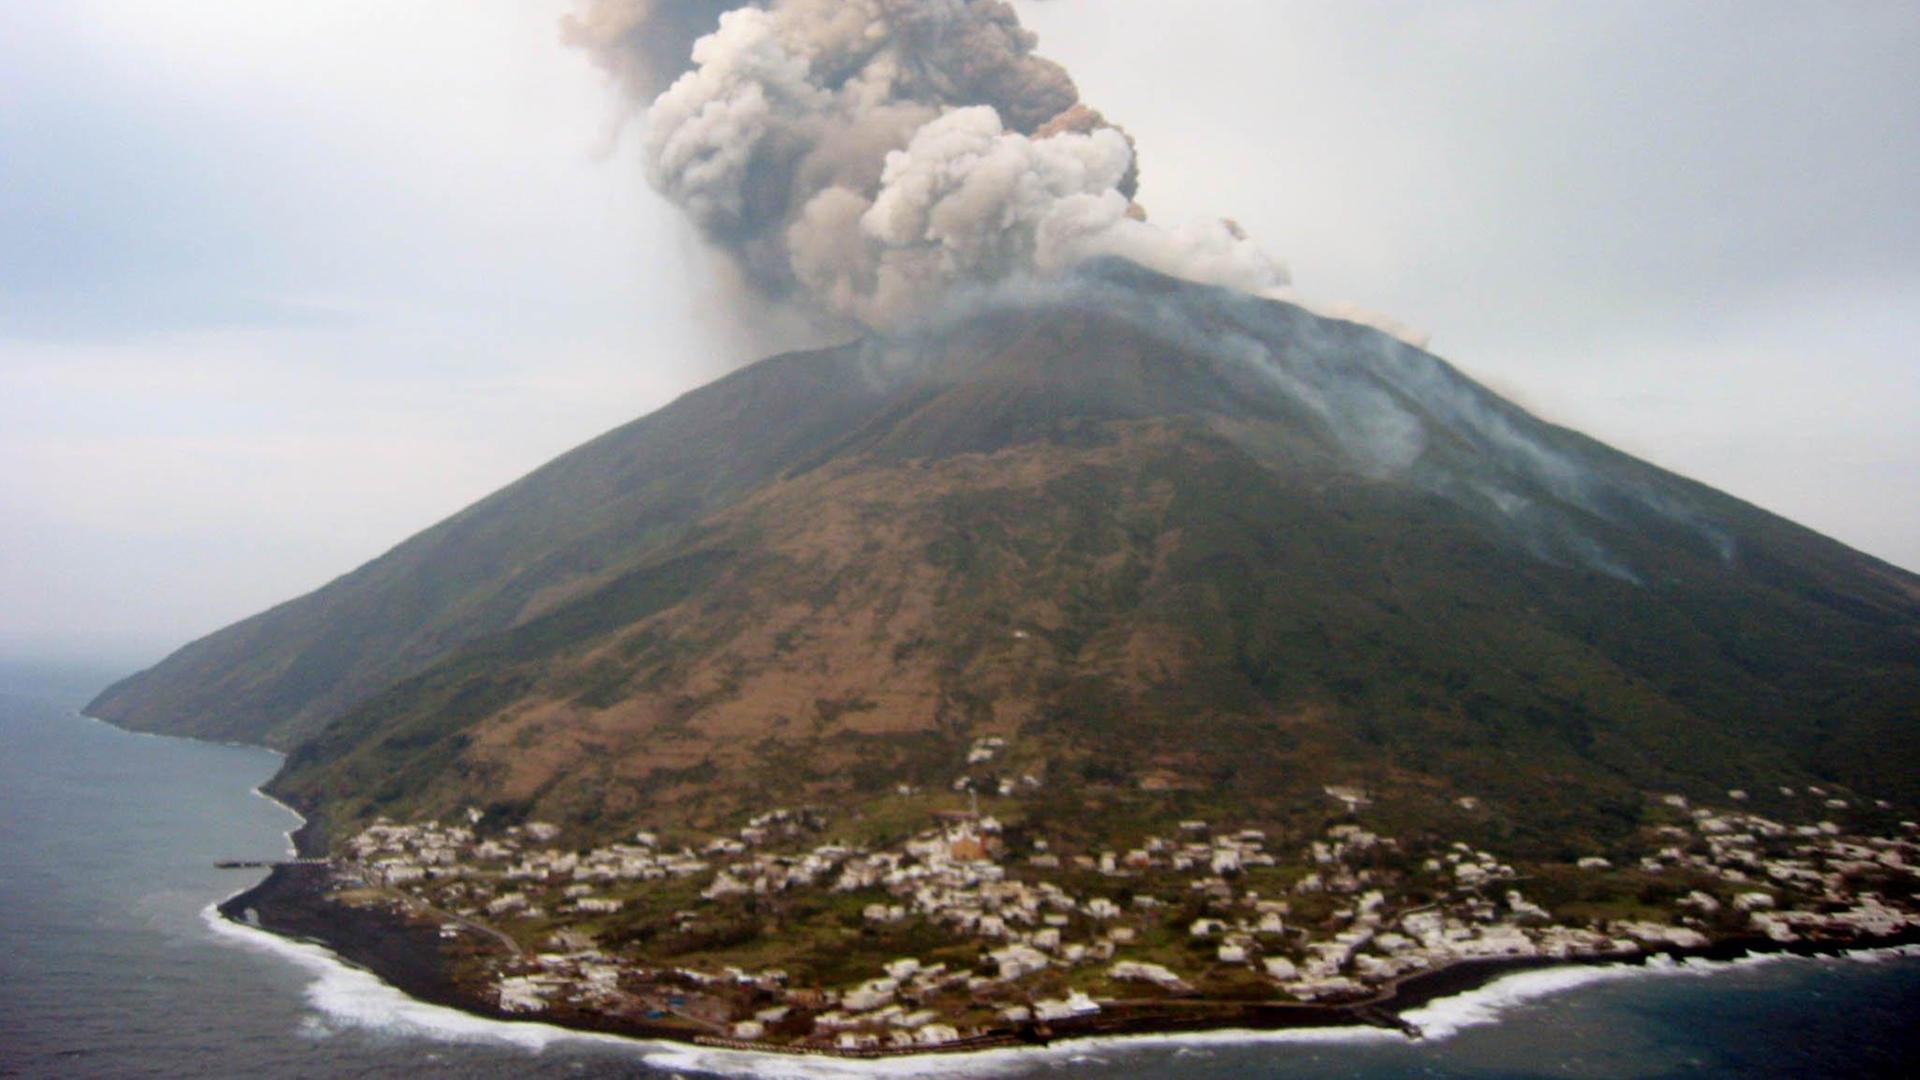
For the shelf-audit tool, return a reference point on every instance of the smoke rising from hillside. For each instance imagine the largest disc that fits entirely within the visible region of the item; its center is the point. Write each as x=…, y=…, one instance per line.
x=865, y=156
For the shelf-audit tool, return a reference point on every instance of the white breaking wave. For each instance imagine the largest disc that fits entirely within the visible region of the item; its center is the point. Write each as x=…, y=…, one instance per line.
x=997, y=1062
x=1881, y=956
x=292, y=848
x=345, y=997
x=1446, y=1017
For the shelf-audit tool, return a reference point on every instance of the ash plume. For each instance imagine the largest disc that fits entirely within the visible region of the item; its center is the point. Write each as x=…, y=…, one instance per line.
x=644, y=44
x=863, y=157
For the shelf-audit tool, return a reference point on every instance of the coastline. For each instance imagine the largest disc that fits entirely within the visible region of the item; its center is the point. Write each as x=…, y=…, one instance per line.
x=412, y=958
x=406, y=958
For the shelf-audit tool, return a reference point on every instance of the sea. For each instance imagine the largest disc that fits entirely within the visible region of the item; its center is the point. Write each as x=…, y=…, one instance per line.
x=112, y=964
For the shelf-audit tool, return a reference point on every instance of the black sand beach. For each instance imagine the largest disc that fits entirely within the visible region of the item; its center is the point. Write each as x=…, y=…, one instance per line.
x=415, y=959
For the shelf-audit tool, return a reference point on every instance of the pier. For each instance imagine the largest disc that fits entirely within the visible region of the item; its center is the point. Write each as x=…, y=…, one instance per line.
x=1378, y=1017
x=265, y=864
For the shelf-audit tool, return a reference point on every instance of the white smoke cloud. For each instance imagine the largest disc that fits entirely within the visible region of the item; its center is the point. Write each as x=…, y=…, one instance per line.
x=1354, y=313
x=749, y=86
x=964, y=200
x=644, y=44
x=865, y=156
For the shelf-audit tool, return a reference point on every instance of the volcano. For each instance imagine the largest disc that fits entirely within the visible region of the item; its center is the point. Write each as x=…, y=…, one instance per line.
x=1175, y=548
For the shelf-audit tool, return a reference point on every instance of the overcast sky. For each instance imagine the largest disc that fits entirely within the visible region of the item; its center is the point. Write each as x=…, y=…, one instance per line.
x=284, y=283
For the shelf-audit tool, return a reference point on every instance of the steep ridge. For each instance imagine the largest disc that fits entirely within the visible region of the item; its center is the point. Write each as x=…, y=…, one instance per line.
x=282, y=675
x=1173, y=543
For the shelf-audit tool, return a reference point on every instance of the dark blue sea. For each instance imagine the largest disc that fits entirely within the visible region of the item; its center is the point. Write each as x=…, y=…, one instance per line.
x=111, y=965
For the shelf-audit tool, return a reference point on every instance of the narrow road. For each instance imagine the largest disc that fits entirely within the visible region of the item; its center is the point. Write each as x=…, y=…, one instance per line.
x=448, y=916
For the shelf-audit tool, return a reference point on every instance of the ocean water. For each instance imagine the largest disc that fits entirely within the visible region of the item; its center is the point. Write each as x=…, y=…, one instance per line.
x=112, y=965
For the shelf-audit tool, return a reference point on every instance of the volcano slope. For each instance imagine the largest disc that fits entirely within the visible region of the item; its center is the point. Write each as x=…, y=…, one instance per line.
x=1188, y=553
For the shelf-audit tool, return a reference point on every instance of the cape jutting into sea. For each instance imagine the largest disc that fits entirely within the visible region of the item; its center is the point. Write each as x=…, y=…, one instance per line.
x=113, y=964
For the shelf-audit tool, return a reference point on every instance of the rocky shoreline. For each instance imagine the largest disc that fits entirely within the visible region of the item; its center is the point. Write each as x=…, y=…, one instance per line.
x=293, y=902
x=411, y=957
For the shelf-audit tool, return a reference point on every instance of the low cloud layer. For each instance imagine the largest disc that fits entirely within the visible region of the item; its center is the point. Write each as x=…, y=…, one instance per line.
x=862, y=157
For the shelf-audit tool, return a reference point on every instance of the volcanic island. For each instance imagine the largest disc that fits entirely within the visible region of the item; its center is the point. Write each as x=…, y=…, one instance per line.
x=1068, y=670
x=800, y=932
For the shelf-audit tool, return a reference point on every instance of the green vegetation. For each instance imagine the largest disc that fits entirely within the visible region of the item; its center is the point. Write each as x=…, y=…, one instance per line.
x=1179, y=590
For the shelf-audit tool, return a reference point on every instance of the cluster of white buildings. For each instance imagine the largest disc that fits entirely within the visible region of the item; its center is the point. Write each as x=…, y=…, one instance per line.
x=888, y=1010
x=509, y=875
x=1767, y=862
x=586, y=976
x=1365, y=942
x=1041, y=919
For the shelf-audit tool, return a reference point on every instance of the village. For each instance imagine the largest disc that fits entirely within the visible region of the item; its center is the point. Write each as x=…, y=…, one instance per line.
x=1019, y=936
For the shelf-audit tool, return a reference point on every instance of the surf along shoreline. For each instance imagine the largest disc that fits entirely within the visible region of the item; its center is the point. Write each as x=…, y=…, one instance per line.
x=412, y=956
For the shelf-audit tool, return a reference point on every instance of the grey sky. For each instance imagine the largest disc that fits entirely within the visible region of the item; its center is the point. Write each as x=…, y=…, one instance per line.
x=1690, y=229
x=284, y=283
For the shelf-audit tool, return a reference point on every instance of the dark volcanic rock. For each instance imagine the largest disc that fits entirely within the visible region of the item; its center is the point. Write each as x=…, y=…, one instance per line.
x=1137, y=523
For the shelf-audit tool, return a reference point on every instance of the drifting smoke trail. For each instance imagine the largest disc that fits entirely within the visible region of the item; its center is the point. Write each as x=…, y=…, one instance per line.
x=645, y=44
x=887, y=161
x=865, y=156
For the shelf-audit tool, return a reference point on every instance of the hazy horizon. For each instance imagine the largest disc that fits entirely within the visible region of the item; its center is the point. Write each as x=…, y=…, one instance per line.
x=289, y=285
